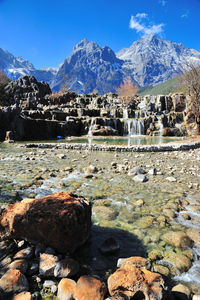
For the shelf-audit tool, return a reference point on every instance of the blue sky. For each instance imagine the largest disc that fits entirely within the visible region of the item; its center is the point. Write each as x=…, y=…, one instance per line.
x=45, y=32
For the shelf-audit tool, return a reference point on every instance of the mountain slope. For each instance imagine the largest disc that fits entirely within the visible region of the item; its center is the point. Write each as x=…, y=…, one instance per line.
x=15, y=67
x=151, y=60
x=90, y=67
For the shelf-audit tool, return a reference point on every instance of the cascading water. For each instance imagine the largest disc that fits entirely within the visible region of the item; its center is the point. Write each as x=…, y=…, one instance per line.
x=133, y=127
x=91, y=127
x=160, y=124
x=125, y=113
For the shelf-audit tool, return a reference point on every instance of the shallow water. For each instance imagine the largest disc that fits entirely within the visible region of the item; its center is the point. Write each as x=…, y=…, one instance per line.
x=116, y=197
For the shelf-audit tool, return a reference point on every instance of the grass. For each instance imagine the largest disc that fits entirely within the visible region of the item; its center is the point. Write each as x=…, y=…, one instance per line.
x=170, y=86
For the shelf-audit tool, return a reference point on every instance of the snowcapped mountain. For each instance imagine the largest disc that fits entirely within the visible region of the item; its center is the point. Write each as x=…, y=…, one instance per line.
x=147, y=62
x=15, y=67
x=90, y=67
x=150, y=60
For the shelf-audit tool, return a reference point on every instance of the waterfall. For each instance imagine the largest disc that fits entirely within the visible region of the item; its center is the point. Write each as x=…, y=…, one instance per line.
x=133, y=127
x=160, y=124
x=166, y=106
x=125, y=113
x=91, y=127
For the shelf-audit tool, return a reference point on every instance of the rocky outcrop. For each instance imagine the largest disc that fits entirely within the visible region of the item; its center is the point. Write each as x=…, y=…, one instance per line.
x=61, y=220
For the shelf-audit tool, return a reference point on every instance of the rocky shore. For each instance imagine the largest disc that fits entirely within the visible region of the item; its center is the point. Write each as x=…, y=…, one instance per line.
x=145, y=208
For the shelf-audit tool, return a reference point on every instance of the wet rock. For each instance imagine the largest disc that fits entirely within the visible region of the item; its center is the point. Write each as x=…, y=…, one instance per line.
x=104, y=212
x=66, y=288
x=129, y=281
x=13, y=281
x=177, y=239
x=47, y=264
x=194, y=235
x=180, y=261
x=67, y=267
x=109, y=246
x=68, y=214
x=89, y=287
x=23, y=296
x=161, y=270
x=168, y=213
x=26, y=253
x=140, y=178
x=20, y=264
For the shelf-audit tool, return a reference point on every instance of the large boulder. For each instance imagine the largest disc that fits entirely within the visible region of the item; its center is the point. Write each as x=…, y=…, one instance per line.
x=130, y=281
x=61, y=221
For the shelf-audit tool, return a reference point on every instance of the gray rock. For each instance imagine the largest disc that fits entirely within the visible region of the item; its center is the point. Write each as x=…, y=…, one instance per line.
x=140, y=178
x=171, y=179
x=26, y=253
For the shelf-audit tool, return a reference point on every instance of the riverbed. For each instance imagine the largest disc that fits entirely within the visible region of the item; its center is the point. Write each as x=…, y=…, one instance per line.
x=136, y=213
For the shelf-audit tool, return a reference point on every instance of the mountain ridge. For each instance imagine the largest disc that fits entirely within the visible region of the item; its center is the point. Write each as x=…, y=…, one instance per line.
x=147, y=62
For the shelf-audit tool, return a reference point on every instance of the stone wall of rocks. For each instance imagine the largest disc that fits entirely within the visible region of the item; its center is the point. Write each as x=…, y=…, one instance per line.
x=34, y=113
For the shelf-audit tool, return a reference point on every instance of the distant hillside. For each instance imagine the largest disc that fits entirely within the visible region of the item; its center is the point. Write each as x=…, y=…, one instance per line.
x=170, y=86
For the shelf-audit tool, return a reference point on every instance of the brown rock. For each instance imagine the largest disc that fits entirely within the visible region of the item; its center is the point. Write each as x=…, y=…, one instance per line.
x=23, y=296
x=20, y=264
x=136, y=261
x=66, y=268
x=47, y=264
x=177, y=239
x=89, y=287
x=66, y=288
x=13, y=281
x=129, y=280
x=61, y=221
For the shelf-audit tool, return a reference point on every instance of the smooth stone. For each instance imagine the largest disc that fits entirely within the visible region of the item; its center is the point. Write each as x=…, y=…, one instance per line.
x=161, y=269
x=177, y=239
x=47, y=264
x=140, y=178
x=66, y=288
x=89, y=287
x=26, y=253
x=20, y=264
x=13, y=281
x=171, y=179
x=67, y=267
x=181, y=290
x=23, y=296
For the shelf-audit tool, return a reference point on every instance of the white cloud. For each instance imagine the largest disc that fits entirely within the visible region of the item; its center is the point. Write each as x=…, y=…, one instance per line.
x=185, y=15
x=143, y=28
x=141, y=16
x=163, y=2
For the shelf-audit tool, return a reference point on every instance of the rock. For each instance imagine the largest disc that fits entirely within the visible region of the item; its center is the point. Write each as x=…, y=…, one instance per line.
x=136, y=261
x=139, y=202
x=13, y=281
x=161, y=269
x=20, y=264
x=196, y=297
x=181, y=291
x=136, y=171
x=26, y=253
x=169, y=213
x=89, y=287
x=47, y=264
x=171, y=179
x=67, y=267
x=180, y=261
x=152, y=171
x=177, y=239
x=48, y=283
x=194, y=235
x=23, y=296
x=109, y=246
x=140, y=178
x=129, y=281
x=68, y=214
x=91, y=169
x=66, y=288
x=106, y=213
x=145, y=221
x=50, y=250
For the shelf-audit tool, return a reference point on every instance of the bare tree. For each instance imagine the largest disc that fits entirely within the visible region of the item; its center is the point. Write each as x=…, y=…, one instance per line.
x=191, y=80
x=127, y=91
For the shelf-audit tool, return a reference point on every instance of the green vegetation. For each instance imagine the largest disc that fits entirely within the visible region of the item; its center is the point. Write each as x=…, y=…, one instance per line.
x=170, y=86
